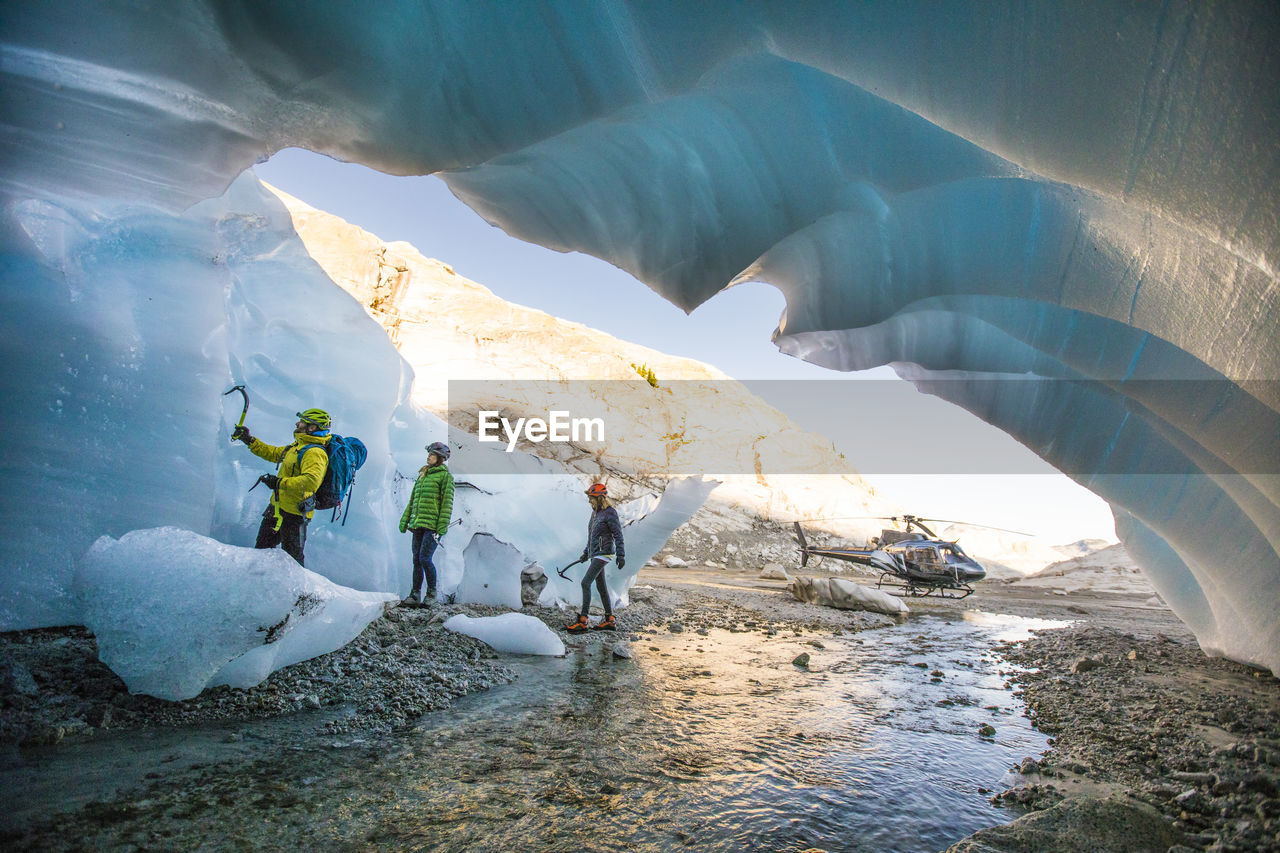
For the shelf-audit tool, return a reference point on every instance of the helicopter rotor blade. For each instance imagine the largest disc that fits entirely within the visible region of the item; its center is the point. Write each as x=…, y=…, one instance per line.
x=850, y=518
x=907, y=518
x=987, y=526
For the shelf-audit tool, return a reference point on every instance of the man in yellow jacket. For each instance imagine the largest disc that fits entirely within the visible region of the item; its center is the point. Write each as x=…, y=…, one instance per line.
x=293, y=486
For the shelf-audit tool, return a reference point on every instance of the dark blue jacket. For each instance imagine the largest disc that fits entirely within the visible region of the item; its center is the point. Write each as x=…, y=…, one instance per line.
x=604, y=534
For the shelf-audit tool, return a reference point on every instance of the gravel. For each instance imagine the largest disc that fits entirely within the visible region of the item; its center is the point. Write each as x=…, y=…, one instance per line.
x=1134, y=708
x=1197, y=738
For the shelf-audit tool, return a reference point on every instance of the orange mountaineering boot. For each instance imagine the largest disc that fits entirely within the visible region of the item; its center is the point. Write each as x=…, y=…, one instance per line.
x=579, y=626
x=608, y=623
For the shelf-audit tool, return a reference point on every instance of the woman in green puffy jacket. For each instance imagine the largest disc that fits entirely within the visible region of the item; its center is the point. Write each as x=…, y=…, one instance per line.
x=427, y=515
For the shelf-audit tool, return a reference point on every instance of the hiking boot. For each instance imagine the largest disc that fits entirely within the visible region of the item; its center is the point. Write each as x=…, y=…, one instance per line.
x=429, y=599
x=608, y=623
x=411, y=601
x=579, y=626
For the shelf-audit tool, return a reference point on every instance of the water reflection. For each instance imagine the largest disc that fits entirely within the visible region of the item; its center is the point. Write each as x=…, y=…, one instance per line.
x=720, y=742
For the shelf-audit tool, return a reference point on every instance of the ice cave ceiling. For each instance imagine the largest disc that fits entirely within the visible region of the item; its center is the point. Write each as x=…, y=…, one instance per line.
x=1084, y=196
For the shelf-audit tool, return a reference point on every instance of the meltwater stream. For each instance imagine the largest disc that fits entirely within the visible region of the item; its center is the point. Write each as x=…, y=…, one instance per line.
x=715, y=743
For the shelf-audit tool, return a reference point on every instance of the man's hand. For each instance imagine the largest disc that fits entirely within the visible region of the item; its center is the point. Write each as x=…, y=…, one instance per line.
x=241, y=433
x=272, y=481
x=622, y=561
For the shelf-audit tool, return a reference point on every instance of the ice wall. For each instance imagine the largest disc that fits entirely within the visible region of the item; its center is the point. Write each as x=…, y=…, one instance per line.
x=972, y=191
x=122, y=329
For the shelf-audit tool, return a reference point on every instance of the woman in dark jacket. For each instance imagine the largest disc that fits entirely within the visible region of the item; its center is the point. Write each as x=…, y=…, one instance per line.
x=604, y=545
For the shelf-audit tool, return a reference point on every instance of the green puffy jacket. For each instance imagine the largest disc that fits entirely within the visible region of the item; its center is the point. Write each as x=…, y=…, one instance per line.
x=297, y=482
x=431, y=504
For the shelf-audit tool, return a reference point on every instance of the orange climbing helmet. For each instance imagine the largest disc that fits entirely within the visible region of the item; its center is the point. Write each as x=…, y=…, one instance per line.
x=597, y=491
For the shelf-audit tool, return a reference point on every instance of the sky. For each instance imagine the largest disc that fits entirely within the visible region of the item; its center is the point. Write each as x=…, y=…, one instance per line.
x=731, y=331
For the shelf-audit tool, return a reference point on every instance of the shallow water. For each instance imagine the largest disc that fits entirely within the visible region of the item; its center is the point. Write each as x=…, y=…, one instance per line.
x=720, y=742
x=713, y=743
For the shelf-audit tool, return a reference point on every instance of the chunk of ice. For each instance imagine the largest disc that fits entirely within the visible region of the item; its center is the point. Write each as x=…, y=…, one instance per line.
x=515, y=633
x=491, y=572
x=175, y=612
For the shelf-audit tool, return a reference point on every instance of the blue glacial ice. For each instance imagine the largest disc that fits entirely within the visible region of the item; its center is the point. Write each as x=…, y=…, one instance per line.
x=1081, y=199
x=175, y=612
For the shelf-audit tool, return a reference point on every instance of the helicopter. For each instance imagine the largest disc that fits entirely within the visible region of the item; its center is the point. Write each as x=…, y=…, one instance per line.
x=919, y=562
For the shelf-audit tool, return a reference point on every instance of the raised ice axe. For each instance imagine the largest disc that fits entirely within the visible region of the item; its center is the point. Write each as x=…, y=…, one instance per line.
x=243, y=411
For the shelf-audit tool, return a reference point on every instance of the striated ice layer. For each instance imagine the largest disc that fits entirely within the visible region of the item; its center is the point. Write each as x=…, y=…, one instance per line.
x=514, y=633
x=175, y=612
x=967, y=192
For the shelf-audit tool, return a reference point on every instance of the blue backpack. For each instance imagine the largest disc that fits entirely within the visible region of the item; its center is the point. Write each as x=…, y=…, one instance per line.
x=346, y=455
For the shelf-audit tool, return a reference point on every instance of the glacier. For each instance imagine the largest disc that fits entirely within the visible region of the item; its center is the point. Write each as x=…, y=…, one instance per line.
x=1063, y=219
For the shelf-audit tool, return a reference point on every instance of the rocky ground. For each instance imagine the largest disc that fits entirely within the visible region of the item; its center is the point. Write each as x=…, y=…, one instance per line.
x=1150, y=738
x=1197, y=739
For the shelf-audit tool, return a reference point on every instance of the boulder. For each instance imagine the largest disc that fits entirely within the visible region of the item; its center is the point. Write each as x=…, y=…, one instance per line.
x=774, y=571
x=845, y=595
x=1117, y=823
x=532, y=581
x=1085, y=664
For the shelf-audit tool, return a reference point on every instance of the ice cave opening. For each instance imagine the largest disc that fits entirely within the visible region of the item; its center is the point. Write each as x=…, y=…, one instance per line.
x=1080, y=200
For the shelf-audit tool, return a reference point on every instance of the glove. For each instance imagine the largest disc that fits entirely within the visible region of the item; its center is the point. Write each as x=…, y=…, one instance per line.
x=583, y=558
x=272, y=481
x=241, y=433
x=622, y=561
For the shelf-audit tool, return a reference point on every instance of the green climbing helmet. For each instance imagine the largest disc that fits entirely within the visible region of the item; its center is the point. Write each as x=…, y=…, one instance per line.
x=319, y=417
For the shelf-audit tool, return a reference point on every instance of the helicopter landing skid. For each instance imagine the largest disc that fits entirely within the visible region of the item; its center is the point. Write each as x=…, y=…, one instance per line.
x=919, y=591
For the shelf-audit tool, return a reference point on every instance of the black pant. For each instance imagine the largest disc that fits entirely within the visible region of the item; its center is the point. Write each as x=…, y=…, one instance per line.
x=291, y=536
x=424, y=546
x=595, y=573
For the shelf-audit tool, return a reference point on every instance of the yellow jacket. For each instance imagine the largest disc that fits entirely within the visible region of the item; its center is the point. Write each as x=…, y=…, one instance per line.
x=297, y=482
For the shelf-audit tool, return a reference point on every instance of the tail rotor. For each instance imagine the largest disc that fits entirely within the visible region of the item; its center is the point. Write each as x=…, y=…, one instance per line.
x=804, y=546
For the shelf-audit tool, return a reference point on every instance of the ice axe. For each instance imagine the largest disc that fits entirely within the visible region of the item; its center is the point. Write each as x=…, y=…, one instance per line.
x=266, y=478
x=561, y=572
x=245, y=410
